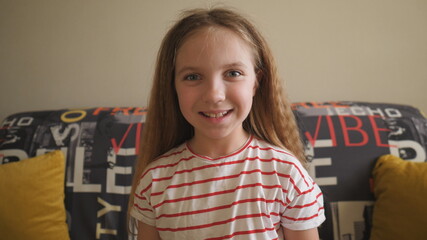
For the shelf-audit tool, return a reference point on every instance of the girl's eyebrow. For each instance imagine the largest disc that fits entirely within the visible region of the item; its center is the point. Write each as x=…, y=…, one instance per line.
x=235, y=64
x=185, y=69
x=229, y=65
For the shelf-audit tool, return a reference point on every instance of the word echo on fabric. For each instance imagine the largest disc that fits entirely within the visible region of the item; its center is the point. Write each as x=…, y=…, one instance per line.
x=340, y=109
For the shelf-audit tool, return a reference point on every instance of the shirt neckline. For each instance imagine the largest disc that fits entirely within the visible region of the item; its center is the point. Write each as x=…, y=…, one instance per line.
x=243, y=147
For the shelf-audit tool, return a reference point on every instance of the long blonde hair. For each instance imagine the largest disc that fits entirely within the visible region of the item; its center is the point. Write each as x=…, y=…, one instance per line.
x=270, y=118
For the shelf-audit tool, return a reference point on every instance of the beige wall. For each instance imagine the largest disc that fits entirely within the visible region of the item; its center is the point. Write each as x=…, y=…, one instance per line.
x=72, y=54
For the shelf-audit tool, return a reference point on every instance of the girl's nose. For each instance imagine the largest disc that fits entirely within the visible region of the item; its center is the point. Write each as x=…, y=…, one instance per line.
x=214, y=90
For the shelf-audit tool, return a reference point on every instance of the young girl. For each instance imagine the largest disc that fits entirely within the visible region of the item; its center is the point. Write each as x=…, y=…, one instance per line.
x=220, y=146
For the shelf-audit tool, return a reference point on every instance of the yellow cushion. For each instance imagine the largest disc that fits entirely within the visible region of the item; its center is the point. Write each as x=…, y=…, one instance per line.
x=32, y=199
x=400, y=210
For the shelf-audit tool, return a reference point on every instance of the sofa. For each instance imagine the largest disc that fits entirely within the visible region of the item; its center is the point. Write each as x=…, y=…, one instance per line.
x=66, y=174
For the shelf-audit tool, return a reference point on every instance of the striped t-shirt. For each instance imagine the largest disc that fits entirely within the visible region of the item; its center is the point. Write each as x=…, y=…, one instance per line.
x=248, y=194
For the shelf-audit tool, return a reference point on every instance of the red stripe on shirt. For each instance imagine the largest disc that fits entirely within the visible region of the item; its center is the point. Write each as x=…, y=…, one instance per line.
x=208, y=225
x=227, y=156
x=166, y=166
x=243, y=233
x=308, y=204
x=218, y=165
x=218, y=193
x=284, y=152
x=220, y=207
x=305, y=218
x=145, y=189
x=270, y=148
x=223, y=164
x=142, y=209
x=231, y=177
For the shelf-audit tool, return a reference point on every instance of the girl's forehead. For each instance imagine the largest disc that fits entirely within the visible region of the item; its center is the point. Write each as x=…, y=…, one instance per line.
x=214, y=37
x=209, y=33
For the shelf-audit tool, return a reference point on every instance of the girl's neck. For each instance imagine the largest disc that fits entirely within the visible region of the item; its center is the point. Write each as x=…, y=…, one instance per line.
x=215, y=148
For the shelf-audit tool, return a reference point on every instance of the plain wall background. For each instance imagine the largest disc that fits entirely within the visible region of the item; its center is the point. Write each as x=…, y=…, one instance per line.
x=72, y=54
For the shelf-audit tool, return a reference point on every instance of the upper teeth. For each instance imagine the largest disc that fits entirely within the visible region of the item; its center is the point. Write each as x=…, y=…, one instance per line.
x=215, y=115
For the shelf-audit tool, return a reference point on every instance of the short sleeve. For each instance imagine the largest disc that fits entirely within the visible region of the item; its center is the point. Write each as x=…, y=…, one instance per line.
x=305, y=208
x=142, y=209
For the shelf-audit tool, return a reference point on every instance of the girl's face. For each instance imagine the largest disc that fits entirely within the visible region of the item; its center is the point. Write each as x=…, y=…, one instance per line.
x=215, y=81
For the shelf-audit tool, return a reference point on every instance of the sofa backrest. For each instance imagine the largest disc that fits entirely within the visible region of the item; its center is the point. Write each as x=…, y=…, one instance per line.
x=342, y=139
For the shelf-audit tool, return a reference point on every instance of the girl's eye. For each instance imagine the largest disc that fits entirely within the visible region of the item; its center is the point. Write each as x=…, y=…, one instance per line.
x=234, y=74
x=192, y=77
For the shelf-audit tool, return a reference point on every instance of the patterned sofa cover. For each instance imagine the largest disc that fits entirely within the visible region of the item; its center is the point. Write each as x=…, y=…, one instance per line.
x=342, y=139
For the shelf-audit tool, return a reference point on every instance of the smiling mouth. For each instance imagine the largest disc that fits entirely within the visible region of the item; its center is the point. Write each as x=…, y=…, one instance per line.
x=215, y=115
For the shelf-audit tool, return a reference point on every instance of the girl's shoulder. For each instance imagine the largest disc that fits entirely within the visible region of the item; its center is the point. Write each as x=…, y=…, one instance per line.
x=265, y=148
x=170, y=157
x=281, y=160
